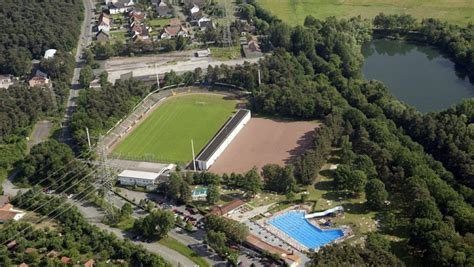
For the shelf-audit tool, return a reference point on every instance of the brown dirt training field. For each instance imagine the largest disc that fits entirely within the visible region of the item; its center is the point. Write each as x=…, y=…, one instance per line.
x=264, y=141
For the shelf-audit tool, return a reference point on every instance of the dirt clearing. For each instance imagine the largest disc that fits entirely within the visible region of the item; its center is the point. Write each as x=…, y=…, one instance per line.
x=263, y=141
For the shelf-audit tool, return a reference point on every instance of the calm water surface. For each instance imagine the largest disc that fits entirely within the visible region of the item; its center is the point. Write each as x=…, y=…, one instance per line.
x=417, y=75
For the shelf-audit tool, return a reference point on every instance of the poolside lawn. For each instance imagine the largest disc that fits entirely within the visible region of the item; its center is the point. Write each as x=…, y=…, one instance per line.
x=184, y=250
x=356, y=214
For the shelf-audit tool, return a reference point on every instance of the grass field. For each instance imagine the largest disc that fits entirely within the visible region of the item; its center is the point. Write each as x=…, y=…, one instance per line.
x=225, y=53
x=294, y=11
x=165, y=136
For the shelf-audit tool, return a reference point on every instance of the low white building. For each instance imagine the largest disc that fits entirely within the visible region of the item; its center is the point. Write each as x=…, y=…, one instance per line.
x=5, y=80
x=140, y=178
x=49, y=53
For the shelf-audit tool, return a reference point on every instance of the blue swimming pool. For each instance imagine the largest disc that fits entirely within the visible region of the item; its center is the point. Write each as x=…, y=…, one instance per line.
x=297, y=227
x=200, y=192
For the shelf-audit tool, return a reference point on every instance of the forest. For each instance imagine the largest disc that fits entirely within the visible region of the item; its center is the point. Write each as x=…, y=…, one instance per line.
x=32, y=27
x=421, y=164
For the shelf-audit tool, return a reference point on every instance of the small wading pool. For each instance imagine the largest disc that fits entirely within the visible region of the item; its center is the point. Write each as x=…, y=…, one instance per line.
x=297, y=227
x=199, y=192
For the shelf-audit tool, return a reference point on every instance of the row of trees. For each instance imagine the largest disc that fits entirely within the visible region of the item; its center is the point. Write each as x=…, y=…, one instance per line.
x=155, y=225
x=53, y=165
x=72, y=237
x=99, y=109
x=30, y=28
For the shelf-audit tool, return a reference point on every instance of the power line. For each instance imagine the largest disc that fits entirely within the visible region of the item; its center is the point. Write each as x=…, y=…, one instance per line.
x=47, y=202
x=47, y=215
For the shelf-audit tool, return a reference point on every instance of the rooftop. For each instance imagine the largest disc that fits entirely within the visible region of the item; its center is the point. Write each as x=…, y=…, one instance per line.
x=139, y=174
x=224, y=209
x=223, y=133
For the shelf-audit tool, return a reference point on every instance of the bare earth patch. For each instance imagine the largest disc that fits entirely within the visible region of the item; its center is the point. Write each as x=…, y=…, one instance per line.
x=263, y=141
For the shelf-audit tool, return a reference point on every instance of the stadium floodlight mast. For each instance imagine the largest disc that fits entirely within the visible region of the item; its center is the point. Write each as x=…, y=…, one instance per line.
x=157, y=78
x=88, y=138
x=194, y=158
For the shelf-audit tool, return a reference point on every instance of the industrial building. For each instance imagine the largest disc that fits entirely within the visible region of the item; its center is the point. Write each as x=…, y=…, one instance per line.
x=222, y=139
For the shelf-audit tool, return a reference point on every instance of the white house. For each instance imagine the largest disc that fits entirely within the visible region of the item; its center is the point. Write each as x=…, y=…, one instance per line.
x=5, y=80
x=194, y=9
x=49, y=53
x=141, y=178
x=174, y=31
x=119, y=6
x=104, y=23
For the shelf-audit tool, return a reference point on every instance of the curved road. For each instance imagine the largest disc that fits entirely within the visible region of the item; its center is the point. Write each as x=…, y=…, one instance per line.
x=94, y=216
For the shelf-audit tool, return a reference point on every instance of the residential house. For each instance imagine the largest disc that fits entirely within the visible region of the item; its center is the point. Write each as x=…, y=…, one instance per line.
x=136, y=16
x=102, y=36
x=30, y=250
x=119, y=6
x=49, y=53
x=23, y=265
x=155, y=3
x=89, y=263
x=194, y=9
x=103, y=23
x=195, y=17
x=205, y=23
x=163, y=10
x=140, y=32
x=52, y=254
x=39, y=79
x=65, y=260
x=11, y=245
x=7, y=212
x=5, y=80
x=227, y=208
x=173, y=31
x=252, y=49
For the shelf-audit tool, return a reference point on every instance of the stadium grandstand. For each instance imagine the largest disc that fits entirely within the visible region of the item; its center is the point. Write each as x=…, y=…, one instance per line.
x=222, y=139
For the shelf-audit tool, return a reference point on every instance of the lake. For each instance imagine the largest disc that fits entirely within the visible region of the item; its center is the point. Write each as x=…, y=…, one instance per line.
x=417, y=75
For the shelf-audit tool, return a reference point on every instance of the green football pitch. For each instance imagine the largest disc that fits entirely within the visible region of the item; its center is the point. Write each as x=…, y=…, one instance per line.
x=166, y=134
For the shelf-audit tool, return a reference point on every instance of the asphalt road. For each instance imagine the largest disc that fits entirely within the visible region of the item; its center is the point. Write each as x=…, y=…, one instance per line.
x=85, y=40
x=93, y=215
x=40, y=133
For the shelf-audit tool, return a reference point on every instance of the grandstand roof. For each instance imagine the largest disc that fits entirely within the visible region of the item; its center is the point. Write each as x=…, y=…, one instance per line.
x=222, y=135
x=139, y=174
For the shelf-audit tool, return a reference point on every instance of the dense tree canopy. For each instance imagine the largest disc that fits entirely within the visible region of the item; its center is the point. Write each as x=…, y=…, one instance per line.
x=31, y=27
x=20, y=106
x=72, y=237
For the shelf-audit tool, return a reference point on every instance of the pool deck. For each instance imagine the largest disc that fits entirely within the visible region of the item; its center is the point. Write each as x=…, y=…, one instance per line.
x=347, y=232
